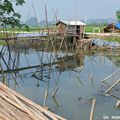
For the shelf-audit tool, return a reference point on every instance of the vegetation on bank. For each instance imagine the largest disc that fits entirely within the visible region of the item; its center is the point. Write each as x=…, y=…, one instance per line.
x=2, y=42
x=112, y=38
x=90, y=28
x=2, y=35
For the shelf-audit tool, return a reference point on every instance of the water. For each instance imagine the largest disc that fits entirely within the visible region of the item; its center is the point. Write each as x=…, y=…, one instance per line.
x=76, y=88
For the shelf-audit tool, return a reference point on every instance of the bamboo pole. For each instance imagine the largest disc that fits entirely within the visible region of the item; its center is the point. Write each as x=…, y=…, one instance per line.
x=22, y=106
x=4, y=113
x=28, y=101
x=36, y=17
x=9, y=111
x=48, y=30
x=9, y=71
x=55, y=91
x=3, y=117
x=111, y=75
x=31, y=115
x=37, y=112
x=118, y=103
x=55, y=101
x=92, y=109
x=63, y=37
x=3, y=76
x=12, y=102
x=46, y=19
x=46, y=94
x=115, y=83
x=91, y=76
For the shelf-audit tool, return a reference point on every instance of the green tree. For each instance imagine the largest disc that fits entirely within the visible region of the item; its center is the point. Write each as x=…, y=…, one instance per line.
x=8, y=16
x=118, y=15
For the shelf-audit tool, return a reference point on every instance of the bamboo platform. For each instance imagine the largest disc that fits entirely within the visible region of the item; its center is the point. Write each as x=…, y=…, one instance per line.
x=14, y=106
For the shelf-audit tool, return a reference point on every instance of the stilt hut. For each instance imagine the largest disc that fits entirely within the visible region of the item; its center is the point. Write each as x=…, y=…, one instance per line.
x=71, y=28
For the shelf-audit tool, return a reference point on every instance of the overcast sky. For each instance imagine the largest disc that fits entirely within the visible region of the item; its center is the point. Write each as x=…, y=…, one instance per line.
x=66, y=9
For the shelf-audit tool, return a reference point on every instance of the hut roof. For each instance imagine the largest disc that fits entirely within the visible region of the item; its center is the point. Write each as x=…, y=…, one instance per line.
x=71, y=22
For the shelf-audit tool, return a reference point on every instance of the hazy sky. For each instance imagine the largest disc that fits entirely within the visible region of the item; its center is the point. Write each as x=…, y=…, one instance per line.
x=66, y=9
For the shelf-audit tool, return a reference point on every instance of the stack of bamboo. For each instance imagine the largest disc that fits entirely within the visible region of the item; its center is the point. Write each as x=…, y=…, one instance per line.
x=14, y=106
x=118, y=103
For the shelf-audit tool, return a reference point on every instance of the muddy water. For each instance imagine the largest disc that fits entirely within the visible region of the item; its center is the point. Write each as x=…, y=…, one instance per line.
x=75, y=86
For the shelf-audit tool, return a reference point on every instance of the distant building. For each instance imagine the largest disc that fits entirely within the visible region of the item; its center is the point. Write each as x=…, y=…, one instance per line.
x=72, y=28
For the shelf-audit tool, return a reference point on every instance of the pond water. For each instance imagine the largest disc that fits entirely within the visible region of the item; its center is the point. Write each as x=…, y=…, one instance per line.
x=73, y=79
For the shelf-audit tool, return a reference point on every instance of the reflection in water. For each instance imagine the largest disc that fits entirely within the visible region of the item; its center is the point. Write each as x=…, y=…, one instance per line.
x=64, y=82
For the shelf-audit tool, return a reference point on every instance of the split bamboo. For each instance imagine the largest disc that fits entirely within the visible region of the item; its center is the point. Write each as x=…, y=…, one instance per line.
x=13, y=105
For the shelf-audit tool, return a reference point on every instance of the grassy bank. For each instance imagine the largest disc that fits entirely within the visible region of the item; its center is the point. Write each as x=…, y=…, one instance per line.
x=89, y=28
x=112, y=38
x=2, y=35
x=2, y=42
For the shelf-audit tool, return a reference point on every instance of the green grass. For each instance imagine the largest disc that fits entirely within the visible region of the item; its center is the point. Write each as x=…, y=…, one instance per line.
x=2, y=35
x=89, y=28
x=113, y=39
x=2, y=42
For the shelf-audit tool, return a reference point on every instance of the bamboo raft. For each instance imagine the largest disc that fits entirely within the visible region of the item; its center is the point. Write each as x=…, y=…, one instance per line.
x=14, y=106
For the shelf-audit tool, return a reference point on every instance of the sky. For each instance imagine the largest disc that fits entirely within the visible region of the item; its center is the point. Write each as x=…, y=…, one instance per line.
x=69, y=9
